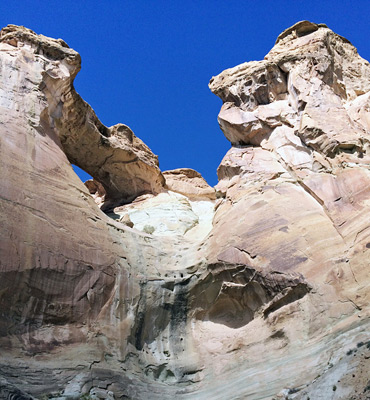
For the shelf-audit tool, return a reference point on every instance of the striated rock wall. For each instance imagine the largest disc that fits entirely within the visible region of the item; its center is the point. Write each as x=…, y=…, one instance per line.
x=256, y=289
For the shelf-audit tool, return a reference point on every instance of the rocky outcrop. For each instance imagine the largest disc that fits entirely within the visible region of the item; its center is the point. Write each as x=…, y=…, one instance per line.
x=114, y=156
x=295, y=137
x=295, y=86
x=189, y=183
x=254, y=289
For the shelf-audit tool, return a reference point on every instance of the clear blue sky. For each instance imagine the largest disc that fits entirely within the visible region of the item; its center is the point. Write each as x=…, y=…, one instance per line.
x=147, y=64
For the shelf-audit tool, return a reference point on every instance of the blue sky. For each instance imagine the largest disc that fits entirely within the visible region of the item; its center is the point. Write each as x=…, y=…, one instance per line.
x=147, y=64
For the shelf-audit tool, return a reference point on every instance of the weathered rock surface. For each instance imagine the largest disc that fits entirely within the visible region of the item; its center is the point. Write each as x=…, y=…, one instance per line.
x=261, y=293
x=123, y=164
x=190, y=183
x=168, y=214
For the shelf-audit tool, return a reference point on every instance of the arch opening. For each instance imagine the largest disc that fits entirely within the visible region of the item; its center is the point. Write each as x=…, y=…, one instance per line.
x=84, y=176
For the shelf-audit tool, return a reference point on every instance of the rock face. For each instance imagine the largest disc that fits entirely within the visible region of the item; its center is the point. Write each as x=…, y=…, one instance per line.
x=256, y=289
x=190, y=183
x=123, y=164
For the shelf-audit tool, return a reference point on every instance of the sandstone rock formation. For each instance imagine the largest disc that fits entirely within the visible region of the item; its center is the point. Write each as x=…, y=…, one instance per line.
x=190, y=183
x=123, y=164
x=255, y=289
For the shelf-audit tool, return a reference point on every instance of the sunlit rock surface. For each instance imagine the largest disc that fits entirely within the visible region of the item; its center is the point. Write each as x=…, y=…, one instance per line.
x=254, y=289
x=190, y=183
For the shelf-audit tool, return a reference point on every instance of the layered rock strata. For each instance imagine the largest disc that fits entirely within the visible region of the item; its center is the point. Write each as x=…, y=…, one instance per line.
x=257, y=288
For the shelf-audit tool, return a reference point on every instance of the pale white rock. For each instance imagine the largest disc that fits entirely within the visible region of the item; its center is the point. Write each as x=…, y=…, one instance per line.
x=289, y=147
x=205, y=211
x=169, y=214
x=164, y=214
x=359, y=111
